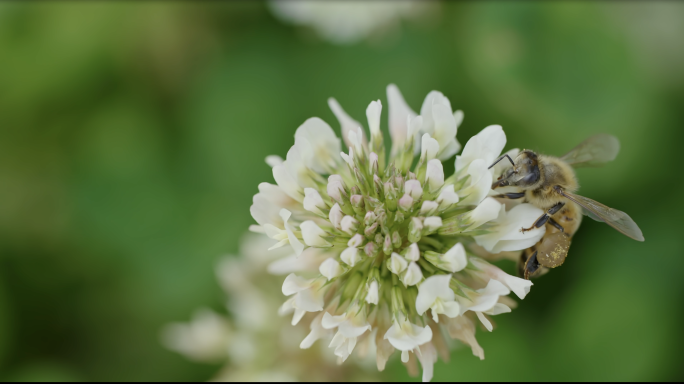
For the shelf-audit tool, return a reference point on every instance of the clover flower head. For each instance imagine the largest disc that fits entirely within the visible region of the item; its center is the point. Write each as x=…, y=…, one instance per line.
x=393, y=231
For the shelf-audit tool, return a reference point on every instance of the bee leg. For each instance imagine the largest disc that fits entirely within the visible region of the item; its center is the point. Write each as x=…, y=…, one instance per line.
x=555, y=224
x=513, y=195
x=531, y=266
x=545, y=217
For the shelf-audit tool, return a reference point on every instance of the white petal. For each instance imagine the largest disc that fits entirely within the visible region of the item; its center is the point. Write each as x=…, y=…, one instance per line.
x=432, y=223
x=330, y=322
x=335, y=187
x=317, y=331
x=373, y=114
x=313, y=202
x=428, y=148
x=346, y=122
x=294, y=242
x=372, y=295
x=294, y=284
x=427, y=355
x=399, y=115
x=407, y=336
x=452, y=309
x=486, y=145
x=455, y=258
x=336, y=216
x=487, y=210
x=356, y=241
x=405, y=356
x=313, y=234
x=498, y=309
x=330, y=268
x=433, y=287
x=414, y=189
x=485, y=321
x=413, y=253
x=520, y=287
x=349, y=224
x=397, y=264
x=325, y=145
x=445, y=131
x=310, y=300
x=273, y=160
x=350, y=256
x=480, y=183
x=428, y=207
x=287, y=182
x=434, y=176
x=447, y=196
x=413, y=274
x=458, y=117
x=506, y=235
x=297, y=317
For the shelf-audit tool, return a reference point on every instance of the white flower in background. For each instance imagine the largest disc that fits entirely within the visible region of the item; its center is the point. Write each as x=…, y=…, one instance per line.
x=203, y=339
x=393, y=232
x=255, y=343
x=346, y=22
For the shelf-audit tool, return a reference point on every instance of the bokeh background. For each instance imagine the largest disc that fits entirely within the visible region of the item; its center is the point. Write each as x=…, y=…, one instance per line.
x=132, y=139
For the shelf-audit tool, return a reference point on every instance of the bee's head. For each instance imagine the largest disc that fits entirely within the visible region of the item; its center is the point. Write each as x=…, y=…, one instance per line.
x=524, y=173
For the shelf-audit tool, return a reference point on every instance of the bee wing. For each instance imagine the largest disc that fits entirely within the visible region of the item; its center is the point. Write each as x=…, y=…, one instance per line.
x=594, y=151
x=616, y=219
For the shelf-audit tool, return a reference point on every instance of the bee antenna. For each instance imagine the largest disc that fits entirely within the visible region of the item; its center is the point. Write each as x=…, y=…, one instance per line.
x=505, y=156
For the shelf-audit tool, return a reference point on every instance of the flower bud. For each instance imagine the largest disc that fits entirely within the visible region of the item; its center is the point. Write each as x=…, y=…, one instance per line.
x=373, y=166
x=377, y=183
x=355, y=190
x=357, y=204
x=415, y=230
x=397, y=264
x=396, y=239
x=399, y=182
x=406, y=202
x=369, y=218
x=371, y=249
x=369, y=232
x=390, y=197
x=387, y=245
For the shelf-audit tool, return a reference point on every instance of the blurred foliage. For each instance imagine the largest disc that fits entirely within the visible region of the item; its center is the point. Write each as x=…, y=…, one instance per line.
x=133, y=136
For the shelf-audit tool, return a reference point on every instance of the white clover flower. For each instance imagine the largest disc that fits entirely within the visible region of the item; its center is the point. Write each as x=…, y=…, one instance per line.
x=392, y=232
x=203, y=339
x=435, y=294
x=254, y=333
x=346, y=22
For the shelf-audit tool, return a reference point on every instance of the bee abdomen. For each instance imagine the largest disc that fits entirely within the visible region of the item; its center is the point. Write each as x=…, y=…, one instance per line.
x=553, y=249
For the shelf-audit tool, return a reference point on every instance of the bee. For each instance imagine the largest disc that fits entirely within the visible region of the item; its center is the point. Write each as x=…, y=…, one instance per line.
x=549, y=183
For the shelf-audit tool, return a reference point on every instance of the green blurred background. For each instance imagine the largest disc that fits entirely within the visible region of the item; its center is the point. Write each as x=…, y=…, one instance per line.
x=132, y=138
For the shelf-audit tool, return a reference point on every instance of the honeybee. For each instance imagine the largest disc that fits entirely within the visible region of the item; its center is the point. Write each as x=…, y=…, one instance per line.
x=549, y=183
